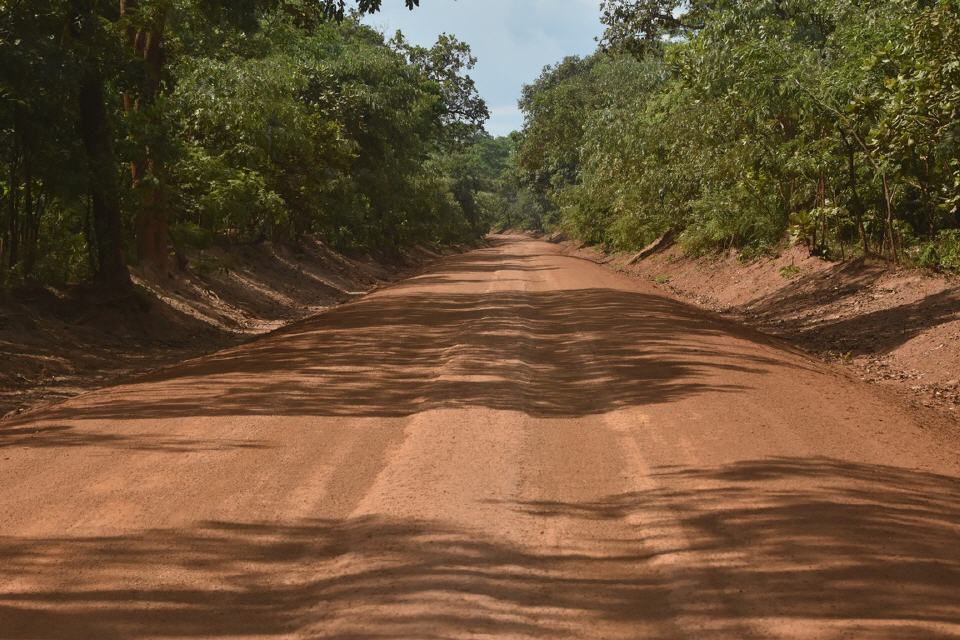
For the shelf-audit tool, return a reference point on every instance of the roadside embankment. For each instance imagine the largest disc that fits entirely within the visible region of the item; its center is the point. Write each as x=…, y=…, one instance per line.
x=892, y=326
x=58, y=342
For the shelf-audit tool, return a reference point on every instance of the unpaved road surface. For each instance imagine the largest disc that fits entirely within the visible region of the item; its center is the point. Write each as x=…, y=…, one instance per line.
x=517, y=444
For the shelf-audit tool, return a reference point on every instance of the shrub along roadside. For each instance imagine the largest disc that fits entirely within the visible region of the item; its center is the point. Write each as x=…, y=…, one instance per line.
x=738, y=123
x=133, y=129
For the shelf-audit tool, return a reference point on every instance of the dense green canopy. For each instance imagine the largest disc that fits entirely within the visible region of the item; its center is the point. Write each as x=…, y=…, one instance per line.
x=135, y=129
x=735, y=122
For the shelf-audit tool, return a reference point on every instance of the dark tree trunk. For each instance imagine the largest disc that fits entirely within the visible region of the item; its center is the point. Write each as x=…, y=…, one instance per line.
x=32, y=232
x=856, y=203
x=891, y=232
x=13, y=234
x=153, y=236
x=104, y=183
x=91, y=234
x=27, y=235
x=13, y=231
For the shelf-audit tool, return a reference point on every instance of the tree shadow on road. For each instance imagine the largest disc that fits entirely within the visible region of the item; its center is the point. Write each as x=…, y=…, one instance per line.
x=58, y=435
x=830, y=547
x=809, y=539
x=547, y=354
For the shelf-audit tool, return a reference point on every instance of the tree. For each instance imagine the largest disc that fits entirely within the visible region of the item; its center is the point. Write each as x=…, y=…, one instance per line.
x=735, y=123
x=226, y=121
x=90, y=42
x=641, y=27
x=447, y=63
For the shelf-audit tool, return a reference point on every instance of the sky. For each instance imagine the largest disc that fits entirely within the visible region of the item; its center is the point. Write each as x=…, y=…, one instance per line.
x=512, y=39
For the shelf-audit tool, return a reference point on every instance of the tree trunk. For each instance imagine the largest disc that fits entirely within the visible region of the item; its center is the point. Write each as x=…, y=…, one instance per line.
x=891, y=233
x=153, y=237
x=856, y=203
x=13, y=232
x=104, y=185
x=91, y=234
x=32, y=231
x=29, y=248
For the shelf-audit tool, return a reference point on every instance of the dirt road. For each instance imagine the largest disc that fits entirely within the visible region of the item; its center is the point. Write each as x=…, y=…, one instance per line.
x=517, y=444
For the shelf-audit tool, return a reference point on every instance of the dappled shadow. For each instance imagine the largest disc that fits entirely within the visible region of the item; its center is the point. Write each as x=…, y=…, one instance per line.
x=827, y=286
x=847, y=327
x=886, y=329
x=52, y=436
x=53, y=344
x=550, y=354
x=469, y=268
x=832, y=548
x=226, y=579
x=806, y=539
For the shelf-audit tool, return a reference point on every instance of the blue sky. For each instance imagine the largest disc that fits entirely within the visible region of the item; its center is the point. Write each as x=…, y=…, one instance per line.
x=512, y=39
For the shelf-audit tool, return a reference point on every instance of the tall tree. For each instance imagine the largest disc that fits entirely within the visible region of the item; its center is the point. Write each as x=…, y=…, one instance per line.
x=92, y=44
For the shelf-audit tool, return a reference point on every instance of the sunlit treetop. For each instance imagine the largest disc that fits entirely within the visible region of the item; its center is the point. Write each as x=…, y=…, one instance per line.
x=337, y=9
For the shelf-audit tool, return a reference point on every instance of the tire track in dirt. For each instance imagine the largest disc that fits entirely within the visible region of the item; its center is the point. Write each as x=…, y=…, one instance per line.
x=514, y=444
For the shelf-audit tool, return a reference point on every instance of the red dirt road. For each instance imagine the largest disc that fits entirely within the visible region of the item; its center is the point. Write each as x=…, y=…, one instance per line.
x=517, y=444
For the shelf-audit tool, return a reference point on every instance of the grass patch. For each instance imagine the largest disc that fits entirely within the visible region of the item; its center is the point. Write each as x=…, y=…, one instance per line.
x=790, y=272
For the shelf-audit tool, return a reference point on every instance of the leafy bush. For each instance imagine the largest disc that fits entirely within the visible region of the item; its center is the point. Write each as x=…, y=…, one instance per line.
x=188, y=235
x=943, y=253
x=790, y=272
x=260, y=120
x=948, y=243
x=736, y=122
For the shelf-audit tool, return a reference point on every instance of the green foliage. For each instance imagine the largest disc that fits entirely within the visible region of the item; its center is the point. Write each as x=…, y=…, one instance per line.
x=790, y=272
x=942, y=253
x=256, y=120
x=188, y=235
x=948, y=248
x=447, y=64
x=734, y=123
x=502, y=199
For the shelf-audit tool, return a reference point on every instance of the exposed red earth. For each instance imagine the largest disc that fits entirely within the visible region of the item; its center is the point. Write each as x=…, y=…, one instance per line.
x=514, y=444
x=58, y=342
x=897, y=327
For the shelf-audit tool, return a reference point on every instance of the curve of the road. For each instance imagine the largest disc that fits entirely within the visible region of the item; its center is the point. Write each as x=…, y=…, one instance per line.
x=516, y=444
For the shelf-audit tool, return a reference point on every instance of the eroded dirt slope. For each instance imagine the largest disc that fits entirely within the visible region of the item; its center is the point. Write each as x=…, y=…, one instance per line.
x=57, y=343
x=515, y=444
x=897, y=327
